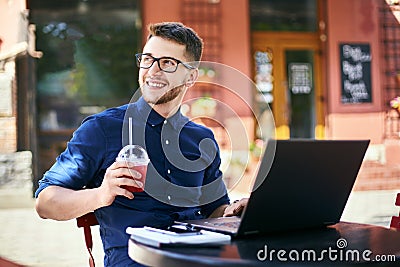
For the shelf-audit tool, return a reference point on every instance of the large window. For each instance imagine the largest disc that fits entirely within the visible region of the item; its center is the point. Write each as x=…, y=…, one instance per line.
x=87, y=65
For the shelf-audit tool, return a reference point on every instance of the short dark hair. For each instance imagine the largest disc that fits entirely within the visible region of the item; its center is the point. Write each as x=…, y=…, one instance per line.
x=181, y=34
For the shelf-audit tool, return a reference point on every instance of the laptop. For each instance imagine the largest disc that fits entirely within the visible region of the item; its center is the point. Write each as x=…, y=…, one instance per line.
x=300, y=184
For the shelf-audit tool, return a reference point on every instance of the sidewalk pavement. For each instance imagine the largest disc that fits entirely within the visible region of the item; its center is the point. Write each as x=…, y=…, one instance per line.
x=29, y=240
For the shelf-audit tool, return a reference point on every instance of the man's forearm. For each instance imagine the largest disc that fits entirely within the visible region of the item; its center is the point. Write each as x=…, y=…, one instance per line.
x=62, y=204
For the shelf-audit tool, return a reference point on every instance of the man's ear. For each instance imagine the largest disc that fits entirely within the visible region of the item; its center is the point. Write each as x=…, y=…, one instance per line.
x=192, y=78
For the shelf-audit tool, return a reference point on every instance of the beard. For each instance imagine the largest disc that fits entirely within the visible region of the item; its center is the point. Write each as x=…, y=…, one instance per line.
x=166, y=97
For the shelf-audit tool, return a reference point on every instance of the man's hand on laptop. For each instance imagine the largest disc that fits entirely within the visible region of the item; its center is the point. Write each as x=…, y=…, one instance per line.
x=235, y=208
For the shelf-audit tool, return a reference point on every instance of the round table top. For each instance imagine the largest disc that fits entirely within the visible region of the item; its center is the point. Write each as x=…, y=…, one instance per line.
x=337, y=245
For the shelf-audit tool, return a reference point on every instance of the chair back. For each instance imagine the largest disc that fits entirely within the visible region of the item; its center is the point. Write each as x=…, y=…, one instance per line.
x=86, y=221
x=395, y=222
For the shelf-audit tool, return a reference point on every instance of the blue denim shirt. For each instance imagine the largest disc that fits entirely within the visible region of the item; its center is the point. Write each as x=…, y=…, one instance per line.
x=183, y=177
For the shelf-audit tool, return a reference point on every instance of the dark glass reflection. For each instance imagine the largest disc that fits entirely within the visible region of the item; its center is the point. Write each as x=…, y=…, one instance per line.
x=88, y=64
x=301, y=93
x=88, y=58
x=283, y=15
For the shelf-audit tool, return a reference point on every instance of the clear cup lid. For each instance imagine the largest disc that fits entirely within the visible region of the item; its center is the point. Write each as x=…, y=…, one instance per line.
x=133, y=153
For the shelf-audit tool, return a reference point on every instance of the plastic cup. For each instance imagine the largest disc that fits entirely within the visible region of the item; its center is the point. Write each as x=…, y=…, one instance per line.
x=138, y=160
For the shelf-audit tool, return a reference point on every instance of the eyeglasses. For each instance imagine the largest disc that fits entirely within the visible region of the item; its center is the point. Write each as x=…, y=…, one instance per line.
x=166, y=64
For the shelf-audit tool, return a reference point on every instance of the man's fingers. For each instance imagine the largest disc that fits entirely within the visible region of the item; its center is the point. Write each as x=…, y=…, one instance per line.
x=129, y=182
x=121, y=164
x=134, y=173
x=236, y=207
x=125, y=172
x=229, y=211
x=126, y=193
x=139, y=183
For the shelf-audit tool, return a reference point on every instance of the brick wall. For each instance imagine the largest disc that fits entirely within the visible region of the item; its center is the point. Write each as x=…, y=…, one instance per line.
x=8, y=127
x=8, y=135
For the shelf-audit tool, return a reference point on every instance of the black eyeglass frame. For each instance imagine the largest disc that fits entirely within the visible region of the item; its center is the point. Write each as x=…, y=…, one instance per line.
x=139, y=56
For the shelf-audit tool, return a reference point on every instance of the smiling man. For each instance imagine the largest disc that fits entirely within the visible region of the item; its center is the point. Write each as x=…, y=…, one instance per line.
x=164, y=90
x=86, y=177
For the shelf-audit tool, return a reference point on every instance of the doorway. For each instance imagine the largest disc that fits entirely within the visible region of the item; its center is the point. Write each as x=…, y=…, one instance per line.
x=295, y=93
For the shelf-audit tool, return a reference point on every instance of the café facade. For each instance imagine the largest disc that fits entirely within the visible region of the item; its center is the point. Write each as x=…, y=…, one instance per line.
x=323, y=69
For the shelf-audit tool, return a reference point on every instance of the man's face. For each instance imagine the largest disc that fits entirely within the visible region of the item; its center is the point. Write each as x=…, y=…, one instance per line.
x=159, y=87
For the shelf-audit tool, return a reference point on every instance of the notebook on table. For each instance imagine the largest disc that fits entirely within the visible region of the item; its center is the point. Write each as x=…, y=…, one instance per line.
x=300, y=184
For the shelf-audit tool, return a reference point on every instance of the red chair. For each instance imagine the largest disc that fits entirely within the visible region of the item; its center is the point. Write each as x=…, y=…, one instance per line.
x=395, y=222
x=7, y=263
x=86, y=221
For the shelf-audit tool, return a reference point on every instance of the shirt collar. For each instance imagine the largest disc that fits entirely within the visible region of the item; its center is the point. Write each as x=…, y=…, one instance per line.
x=153, y=118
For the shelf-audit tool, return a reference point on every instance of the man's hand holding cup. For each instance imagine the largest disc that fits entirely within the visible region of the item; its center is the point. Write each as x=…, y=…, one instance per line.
x=136, y=160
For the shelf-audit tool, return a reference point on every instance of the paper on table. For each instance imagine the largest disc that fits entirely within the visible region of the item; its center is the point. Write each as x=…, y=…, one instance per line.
x=158, y=239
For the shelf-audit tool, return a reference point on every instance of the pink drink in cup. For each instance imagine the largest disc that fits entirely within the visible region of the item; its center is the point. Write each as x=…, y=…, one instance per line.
x=137, y=157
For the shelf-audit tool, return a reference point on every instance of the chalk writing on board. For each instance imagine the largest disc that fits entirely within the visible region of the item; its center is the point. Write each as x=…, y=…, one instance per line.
x=355, y=73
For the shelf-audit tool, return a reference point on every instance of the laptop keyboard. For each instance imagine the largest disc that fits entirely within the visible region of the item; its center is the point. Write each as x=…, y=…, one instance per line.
x=233, y=225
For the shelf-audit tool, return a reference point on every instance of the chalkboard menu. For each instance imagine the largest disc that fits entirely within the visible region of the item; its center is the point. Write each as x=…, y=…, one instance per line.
x=355, y=60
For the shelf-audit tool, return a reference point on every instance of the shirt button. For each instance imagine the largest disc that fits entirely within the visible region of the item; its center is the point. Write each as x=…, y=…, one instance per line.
x=167, y=142
x=165, y=122
x=153, y=125
x=169, y=171
x=169, y=197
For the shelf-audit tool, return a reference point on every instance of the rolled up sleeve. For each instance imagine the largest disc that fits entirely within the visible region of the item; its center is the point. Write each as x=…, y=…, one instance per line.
x=78, y=164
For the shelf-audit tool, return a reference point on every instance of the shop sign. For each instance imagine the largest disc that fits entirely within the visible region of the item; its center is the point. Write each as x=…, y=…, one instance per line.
x=300, y=81
x=355, y=62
